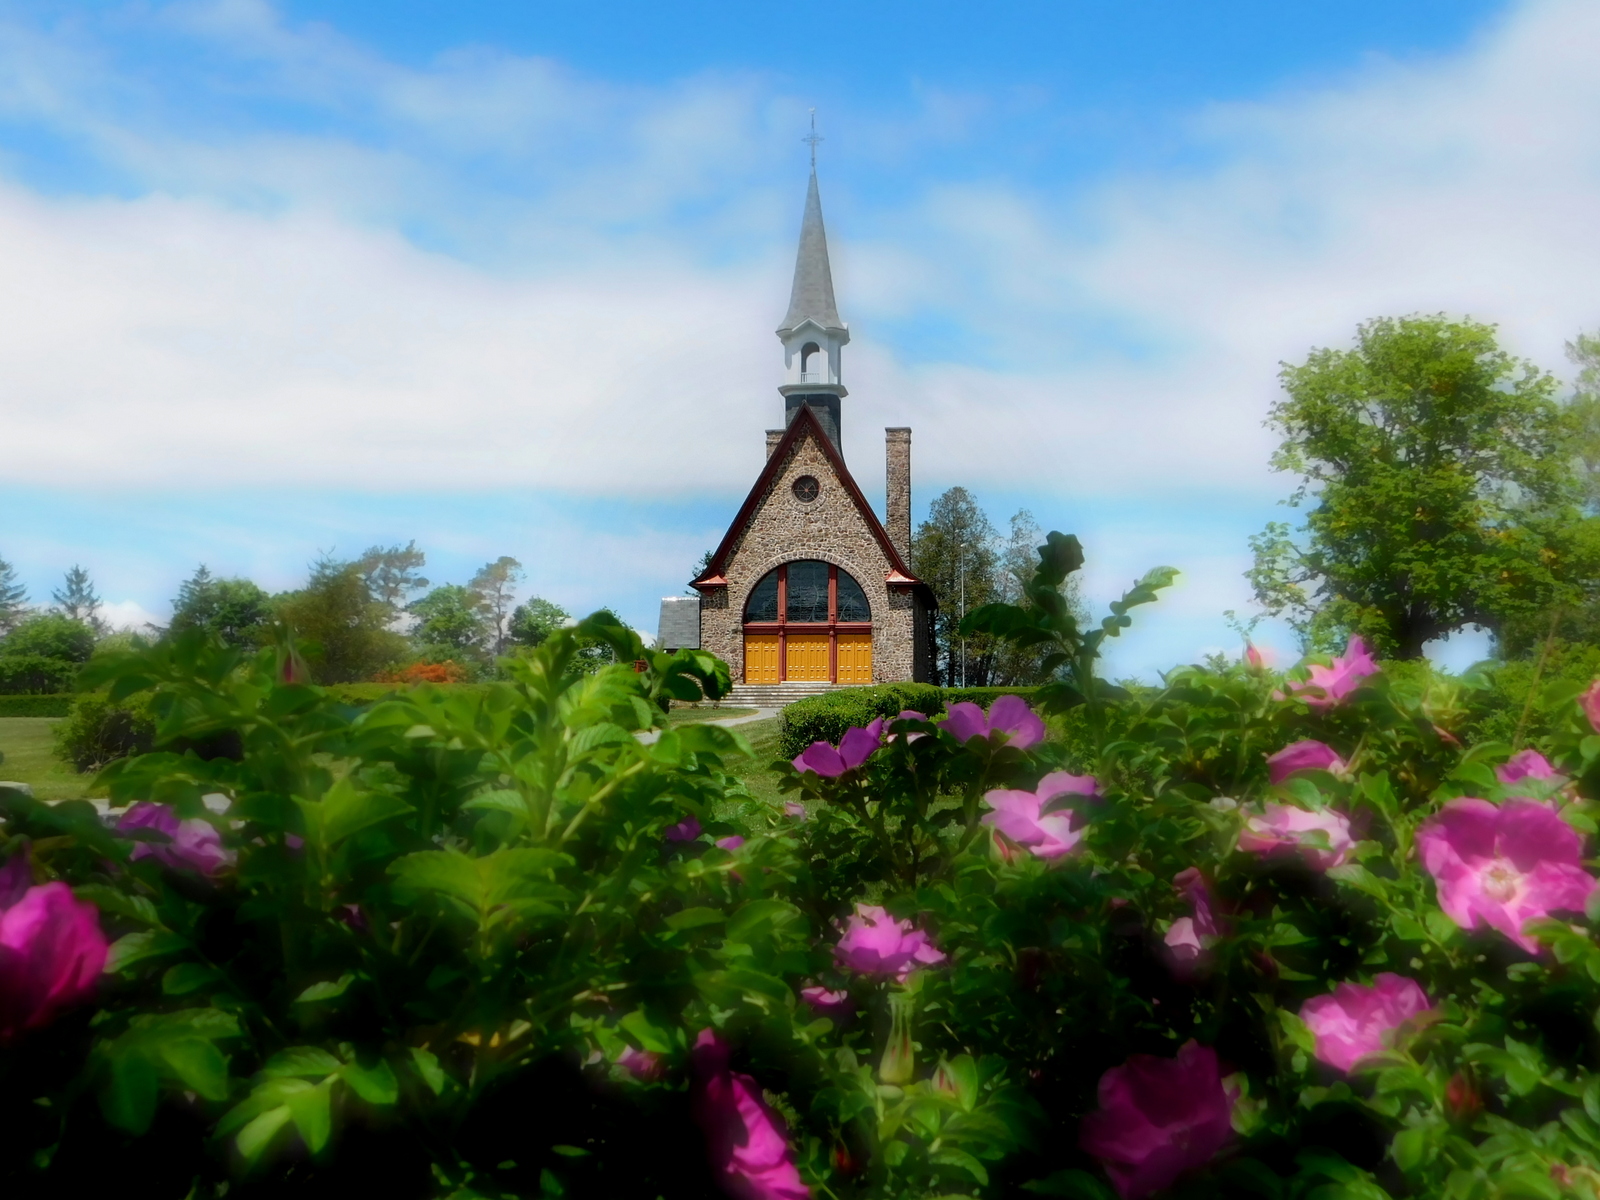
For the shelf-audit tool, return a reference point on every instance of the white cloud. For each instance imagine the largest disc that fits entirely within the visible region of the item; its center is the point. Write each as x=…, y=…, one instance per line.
x=181, y=339
x=128, y=615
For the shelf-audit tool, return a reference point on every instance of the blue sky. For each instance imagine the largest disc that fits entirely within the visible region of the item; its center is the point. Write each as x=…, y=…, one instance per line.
x=285, y=279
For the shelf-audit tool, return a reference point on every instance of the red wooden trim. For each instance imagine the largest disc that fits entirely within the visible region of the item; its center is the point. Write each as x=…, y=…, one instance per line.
x=807, y=626
x=804, y=420
x=833, y=652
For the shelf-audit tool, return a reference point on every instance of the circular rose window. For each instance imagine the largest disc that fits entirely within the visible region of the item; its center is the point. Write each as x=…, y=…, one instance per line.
x=806, y=488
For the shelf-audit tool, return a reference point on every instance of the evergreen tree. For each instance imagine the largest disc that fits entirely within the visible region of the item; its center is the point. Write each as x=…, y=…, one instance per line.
x=451, y=623
x=393, y=573
x=13, y=598
x=337, y=612
x=954, y=553
x=1019, y=666
x=495, y=585
x=534, y=620
x=236, y=610
x=76, y=599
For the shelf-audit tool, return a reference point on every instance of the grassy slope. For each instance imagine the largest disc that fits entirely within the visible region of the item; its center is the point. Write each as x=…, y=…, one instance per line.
x=25, y=741
x=754, y=771
x=704, y=712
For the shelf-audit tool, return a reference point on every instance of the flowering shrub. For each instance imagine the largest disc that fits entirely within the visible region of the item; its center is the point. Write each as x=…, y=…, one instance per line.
x=1249, y=934
x=448, y=671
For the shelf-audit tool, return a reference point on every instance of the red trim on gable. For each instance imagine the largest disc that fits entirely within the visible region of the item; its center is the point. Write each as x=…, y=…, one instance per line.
x=804, y=419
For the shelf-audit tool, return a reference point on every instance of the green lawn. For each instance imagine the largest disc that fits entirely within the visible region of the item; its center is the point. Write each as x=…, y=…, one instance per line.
x=26, y=744
x=704, y=712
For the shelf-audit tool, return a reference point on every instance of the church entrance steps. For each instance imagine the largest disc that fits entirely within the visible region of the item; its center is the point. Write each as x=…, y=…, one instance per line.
x=774, y=695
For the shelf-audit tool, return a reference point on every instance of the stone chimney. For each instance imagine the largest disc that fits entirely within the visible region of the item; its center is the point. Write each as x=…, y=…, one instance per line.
x=897, y=500
x=774, y=436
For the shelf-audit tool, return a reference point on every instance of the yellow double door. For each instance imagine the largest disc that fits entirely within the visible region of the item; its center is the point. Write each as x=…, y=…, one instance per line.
x=807, y=658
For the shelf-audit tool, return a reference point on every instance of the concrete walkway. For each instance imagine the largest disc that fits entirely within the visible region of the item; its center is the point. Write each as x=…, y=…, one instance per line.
x=760, y=714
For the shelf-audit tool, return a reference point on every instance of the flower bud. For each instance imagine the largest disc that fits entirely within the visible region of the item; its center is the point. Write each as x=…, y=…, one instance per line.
x=899, y=1063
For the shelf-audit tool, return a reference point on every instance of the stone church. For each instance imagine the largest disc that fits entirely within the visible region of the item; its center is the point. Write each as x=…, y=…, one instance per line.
x=809, y=588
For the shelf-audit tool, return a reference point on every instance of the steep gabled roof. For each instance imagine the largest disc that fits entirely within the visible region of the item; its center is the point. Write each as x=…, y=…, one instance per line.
x=804, y=421
x=812, y=294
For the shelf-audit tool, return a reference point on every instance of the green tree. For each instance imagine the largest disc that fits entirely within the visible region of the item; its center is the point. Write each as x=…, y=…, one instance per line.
x=1584, y=350
x=236, y=610
x=535, y=620
x=954, y=553
x=1016, y=664
x=76, y=599
x=1438, y=473
x=392, y=573
x=495, y=585
x=13, y=598
x=451, y=624
x=337, y=612
x=51, y=635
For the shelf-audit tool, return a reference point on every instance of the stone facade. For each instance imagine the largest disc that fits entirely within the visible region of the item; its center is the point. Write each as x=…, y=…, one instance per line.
x=897, y=489
x=780, y=527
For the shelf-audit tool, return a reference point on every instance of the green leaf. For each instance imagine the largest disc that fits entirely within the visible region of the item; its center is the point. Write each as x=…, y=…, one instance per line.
x=326, y=990
x=483, y=882
x=309, y=1062
x=187, y=977
x=427, y=1064
x=313, y=1115
x=694, y=918
x=129, y=1098
x=199, y=1065
x=1409, y=1149
x=1079, y=1185
x=761, y=918
x=500, y=800
x=255, y=1137
x=649, y=1035
x=346, y=809
x=375, y=1084
x=135, y=948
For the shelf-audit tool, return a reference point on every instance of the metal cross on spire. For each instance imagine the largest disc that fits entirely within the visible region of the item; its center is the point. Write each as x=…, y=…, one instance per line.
x=813, y=139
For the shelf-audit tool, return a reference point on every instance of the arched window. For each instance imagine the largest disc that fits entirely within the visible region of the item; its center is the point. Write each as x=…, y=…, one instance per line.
x=807, y=592
x=813, y=363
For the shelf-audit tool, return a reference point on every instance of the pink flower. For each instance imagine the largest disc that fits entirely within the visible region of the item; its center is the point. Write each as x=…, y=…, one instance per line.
x=686, y=830
x=874, y=943
x=793, y=808
x=1504, y=866
x=730, y=844
x=1304, y=755
x=1354, y=1021
x=1282, y=827
x=1017, y=814
x=854, y=749
x=641, y=1064
x=748, y=1145
x=1591, y=705
x=907, y=714
x=1009, y=715
x=1330, y=685
x=1189, y=940
x=825, y=1003
x=51, y=955
x=193, y=844
x=1530, y=764
x=1159, y=1118
x=1253, y=657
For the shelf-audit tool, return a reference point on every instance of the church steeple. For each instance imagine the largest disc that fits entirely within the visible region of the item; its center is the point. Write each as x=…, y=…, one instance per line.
x=812, y=294
x=812, y=333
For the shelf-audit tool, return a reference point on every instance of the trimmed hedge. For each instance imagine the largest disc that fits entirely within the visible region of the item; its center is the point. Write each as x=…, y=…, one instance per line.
x=371, y=693
x=826, y=718
x=35, y=674
x=47, y=705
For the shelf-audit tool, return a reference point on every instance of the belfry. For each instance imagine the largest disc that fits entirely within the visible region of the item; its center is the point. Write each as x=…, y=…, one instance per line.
x=809, y=589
